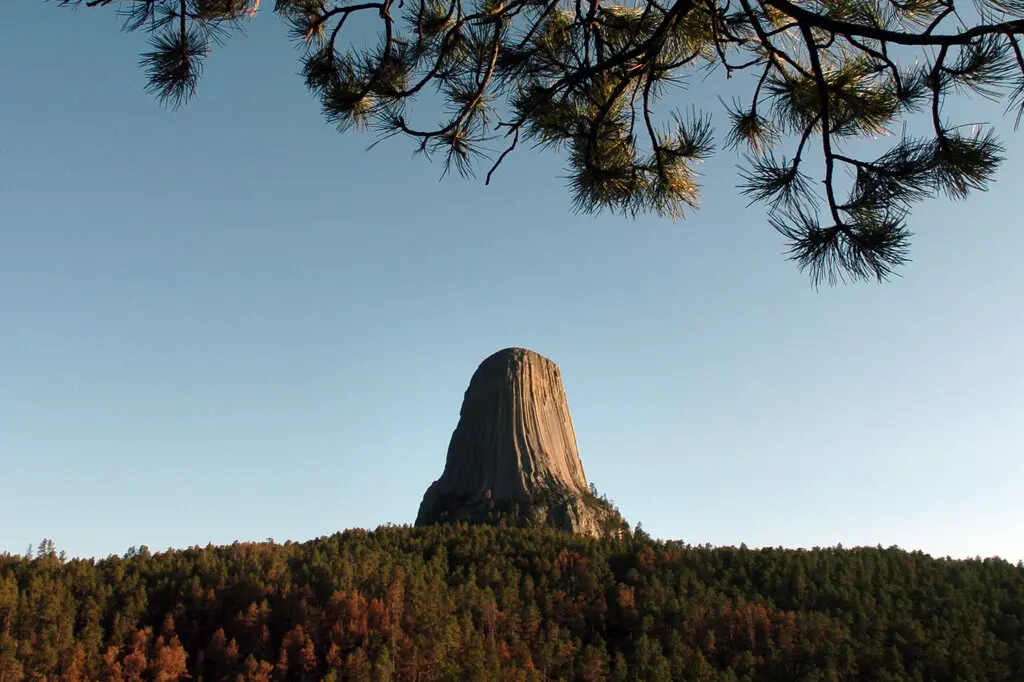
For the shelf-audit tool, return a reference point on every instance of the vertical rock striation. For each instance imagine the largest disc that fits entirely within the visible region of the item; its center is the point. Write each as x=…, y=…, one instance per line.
x=513, y=454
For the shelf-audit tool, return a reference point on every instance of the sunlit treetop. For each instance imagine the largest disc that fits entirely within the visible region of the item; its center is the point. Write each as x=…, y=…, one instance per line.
x=585, y=77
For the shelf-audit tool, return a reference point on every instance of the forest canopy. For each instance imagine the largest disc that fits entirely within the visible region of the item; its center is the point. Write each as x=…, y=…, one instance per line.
x=589, y=78
x=459, y=602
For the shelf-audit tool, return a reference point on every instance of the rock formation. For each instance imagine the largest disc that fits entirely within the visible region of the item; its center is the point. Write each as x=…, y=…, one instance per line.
x=513, y=454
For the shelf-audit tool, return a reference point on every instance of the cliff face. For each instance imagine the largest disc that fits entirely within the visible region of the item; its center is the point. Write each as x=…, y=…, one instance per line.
x=513, y=453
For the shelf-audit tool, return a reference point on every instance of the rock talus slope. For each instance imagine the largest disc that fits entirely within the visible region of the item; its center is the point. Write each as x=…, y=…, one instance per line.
x=513, y=454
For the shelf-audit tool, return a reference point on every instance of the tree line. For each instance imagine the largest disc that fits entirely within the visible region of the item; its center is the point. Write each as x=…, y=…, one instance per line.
x=460, y=602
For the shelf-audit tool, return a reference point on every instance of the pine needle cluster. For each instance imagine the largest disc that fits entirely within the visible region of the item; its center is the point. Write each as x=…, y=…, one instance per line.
x=588, y=78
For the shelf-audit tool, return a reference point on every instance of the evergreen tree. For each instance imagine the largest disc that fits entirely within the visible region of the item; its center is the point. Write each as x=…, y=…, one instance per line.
x=510, y=604
x=586, y=78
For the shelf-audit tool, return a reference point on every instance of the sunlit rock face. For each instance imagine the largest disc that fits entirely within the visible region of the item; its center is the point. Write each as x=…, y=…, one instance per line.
x=513, y=454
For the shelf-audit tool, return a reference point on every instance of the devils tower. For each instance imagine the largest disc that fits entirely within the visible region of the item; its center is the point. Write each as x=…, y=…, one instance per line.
x=513, y=454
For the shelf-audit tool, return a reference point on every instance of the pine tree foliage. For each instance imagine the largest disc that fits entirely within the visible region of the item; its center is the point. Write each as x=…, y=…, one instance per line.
x=495, y=604
x=586, y=77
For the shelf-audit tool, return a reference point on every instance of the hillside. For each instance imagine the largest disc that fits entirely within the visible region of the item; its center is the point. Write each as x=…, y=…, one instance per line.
x=457, y=602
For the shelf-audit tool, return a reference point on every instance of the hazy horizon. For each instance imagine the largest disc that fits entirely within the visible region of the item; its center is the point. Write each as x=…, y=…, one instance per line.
x=229, y=322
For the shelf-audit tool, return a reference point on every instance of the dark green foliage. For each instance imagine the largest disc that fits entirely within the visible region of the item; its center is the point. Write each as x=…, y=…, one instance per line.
x=459, y=602
x=550, y=508
x=589, y=79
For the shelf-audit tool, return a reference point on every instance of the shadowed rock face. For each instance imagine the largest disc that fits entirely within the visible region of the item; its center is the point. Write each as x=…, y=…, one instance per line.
x=514, y=452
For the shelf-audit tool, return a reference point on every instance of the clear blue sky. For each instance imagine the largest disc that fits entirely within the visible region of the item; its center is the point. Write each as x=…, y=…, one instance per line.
x=229, y=322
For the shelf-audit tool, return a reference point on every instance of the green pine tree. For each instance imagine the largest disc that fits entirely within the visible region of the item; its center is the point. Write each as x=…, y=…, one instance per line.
x=588, y=79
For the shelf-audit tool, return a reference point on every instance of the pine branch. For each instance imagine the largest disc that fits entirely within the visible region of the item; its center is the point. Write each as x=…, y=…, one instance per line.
x=585, y=78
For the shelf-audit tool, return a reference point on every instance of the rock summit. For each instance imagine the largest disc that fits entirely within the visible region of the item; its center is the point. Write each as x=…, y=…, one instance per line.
x=513, y=456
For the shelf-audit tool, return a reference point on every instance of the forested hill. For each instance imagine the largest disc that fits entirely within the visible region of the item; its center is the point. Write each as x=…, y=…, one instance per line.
x=486, y=603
